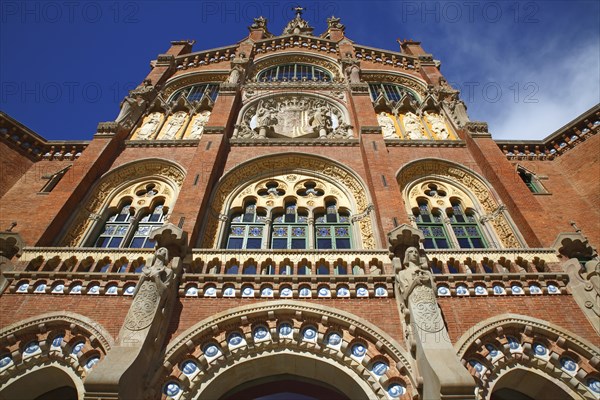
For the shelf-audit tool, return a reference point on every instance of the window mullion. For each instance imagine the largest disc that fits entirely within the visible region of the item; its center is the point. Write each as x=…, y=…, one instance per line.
x=450, y=232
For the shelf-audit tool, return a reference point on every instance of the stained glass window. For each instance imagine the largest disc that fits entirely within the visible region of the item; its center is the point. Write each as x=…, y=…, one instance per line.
x=147, y=224
x=247, y=228
x=465, y=227
x=290, y=228
x=332, y=228
x=115, y=229
x=432, y=226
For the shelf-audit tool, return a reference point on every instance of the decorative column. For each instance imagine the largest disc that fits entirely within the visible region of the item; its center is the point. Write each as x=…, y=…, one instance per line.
x=126, y=372
x=440, y=370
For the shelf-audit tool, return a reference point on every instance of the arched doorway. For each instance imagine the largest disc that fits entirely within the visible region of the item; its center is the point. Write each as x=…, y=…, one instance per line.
x=287, y=374
x=522, y=384
x=42, y=384
x=284, y=387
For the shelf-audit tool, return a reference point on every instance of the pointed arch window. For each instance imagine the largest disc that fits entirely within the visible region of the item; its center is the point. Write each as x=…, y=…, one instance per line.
x=290, y=228
x=465, y=227
x=151, y=221
x=247, y=228
x=432, y=225
x=332, y=228
x=116, y=227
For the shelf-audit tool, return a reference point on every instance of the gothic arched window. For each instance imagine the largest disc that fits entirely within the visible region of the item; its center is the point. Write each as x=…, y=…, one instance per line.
x=332, y=228
x=391, y=91
x=290, y=228
x=128, y=226
x=447, y=221
x=116, y=227
x=294, y=72
x=247, y=228
x=147, y=224
x=432, y=225
x=465, y=227
x=197, y=92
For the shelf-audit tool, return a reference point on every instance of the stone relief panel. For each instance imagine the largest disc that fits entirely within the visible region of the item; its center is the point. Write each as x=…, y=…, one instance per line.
x=415, y=126
x=149, y=126
x=196, y=127
x=293, y=117
x=173, y=126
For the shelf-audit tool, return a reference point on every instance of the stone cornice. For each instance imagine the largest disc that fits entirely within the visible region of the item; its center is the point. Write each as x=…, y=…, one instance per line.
x=294, y=142
x=162, y=143
x=424, y=143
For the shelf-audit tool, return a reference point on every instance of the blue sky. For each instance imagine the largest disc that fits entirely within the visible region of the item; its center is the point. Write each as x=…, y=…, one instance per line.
x=525, y=67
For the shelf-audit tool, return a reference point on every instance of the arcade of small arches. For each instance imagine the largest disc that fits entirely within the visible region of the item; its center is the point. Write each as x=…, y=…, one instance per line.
x=50, y=356
x=290, y=338
x=514, y=356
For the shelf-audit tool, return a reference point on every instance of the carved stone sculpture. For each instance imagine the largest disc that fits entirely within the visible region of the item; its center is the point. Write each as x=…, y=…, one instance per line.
x=235, y=74
x=132, y=108
x=198, y=125
x=353, y=73
x=321, y=122
x=150, y=127
x=266, y=119
x=387, y=126
x=174, y=125
x=437, y=125
x=123, y=373
x=413, y=126
x=424, y=326
x=243, y=131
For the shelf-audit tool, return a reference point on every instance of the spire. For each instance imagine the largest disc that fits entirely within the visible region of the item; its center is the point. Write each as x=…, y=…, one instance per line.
x=298, y=25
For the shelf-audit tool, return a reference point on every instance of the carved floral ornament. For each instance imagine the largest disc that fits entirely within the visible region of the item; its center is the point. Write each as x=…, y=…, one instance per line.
x=293, y=116
x=501, y=344
x=291, y=170
x=129, y=180
x=199, y=355
x=463, y=182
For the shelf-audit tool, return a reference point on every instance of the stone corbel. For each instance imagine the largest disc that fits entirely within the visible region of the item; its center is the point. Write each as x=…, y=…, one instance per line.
x=477, y=129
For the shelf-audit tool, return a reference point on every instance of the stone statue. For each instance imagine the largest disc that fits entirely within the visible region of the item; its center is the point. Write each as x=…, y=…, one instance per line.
x=343, y=131
x=353, y=73
x=148, y=293
x=198, y=125
x=243, y=131
x=321, y=121
x=413, y=274
x=413, y=127
x=150, y=127
x=174, y=125
x=265, y=118
x=387, y=126
x=235, y=74
x=132, y=108
x=437, y=125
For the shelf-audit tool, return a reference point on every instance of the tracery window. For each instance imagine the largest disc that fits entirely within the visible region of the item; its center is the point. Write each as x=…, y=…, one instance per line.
x=196, y=92
x=439, y=211
x=290, y=212
x=294, y=72
x=128, y=226
x=391, y=91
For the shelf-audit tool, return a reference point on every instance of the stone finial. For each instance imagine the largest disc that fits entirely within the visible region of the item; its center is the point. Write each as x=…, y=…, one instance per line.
x=334, y=23
x=298, y=25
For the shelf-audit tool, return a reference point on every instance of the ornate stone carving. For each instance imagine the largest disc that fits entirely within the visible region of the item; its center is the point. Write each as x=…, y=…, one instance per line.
x=438, y=126
x=197, y=127
x=387, y=126
x=172, y=128
x=150, y=127
x=413, y=127
x=291, y=116
x=147, y=296
x=298, y=26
